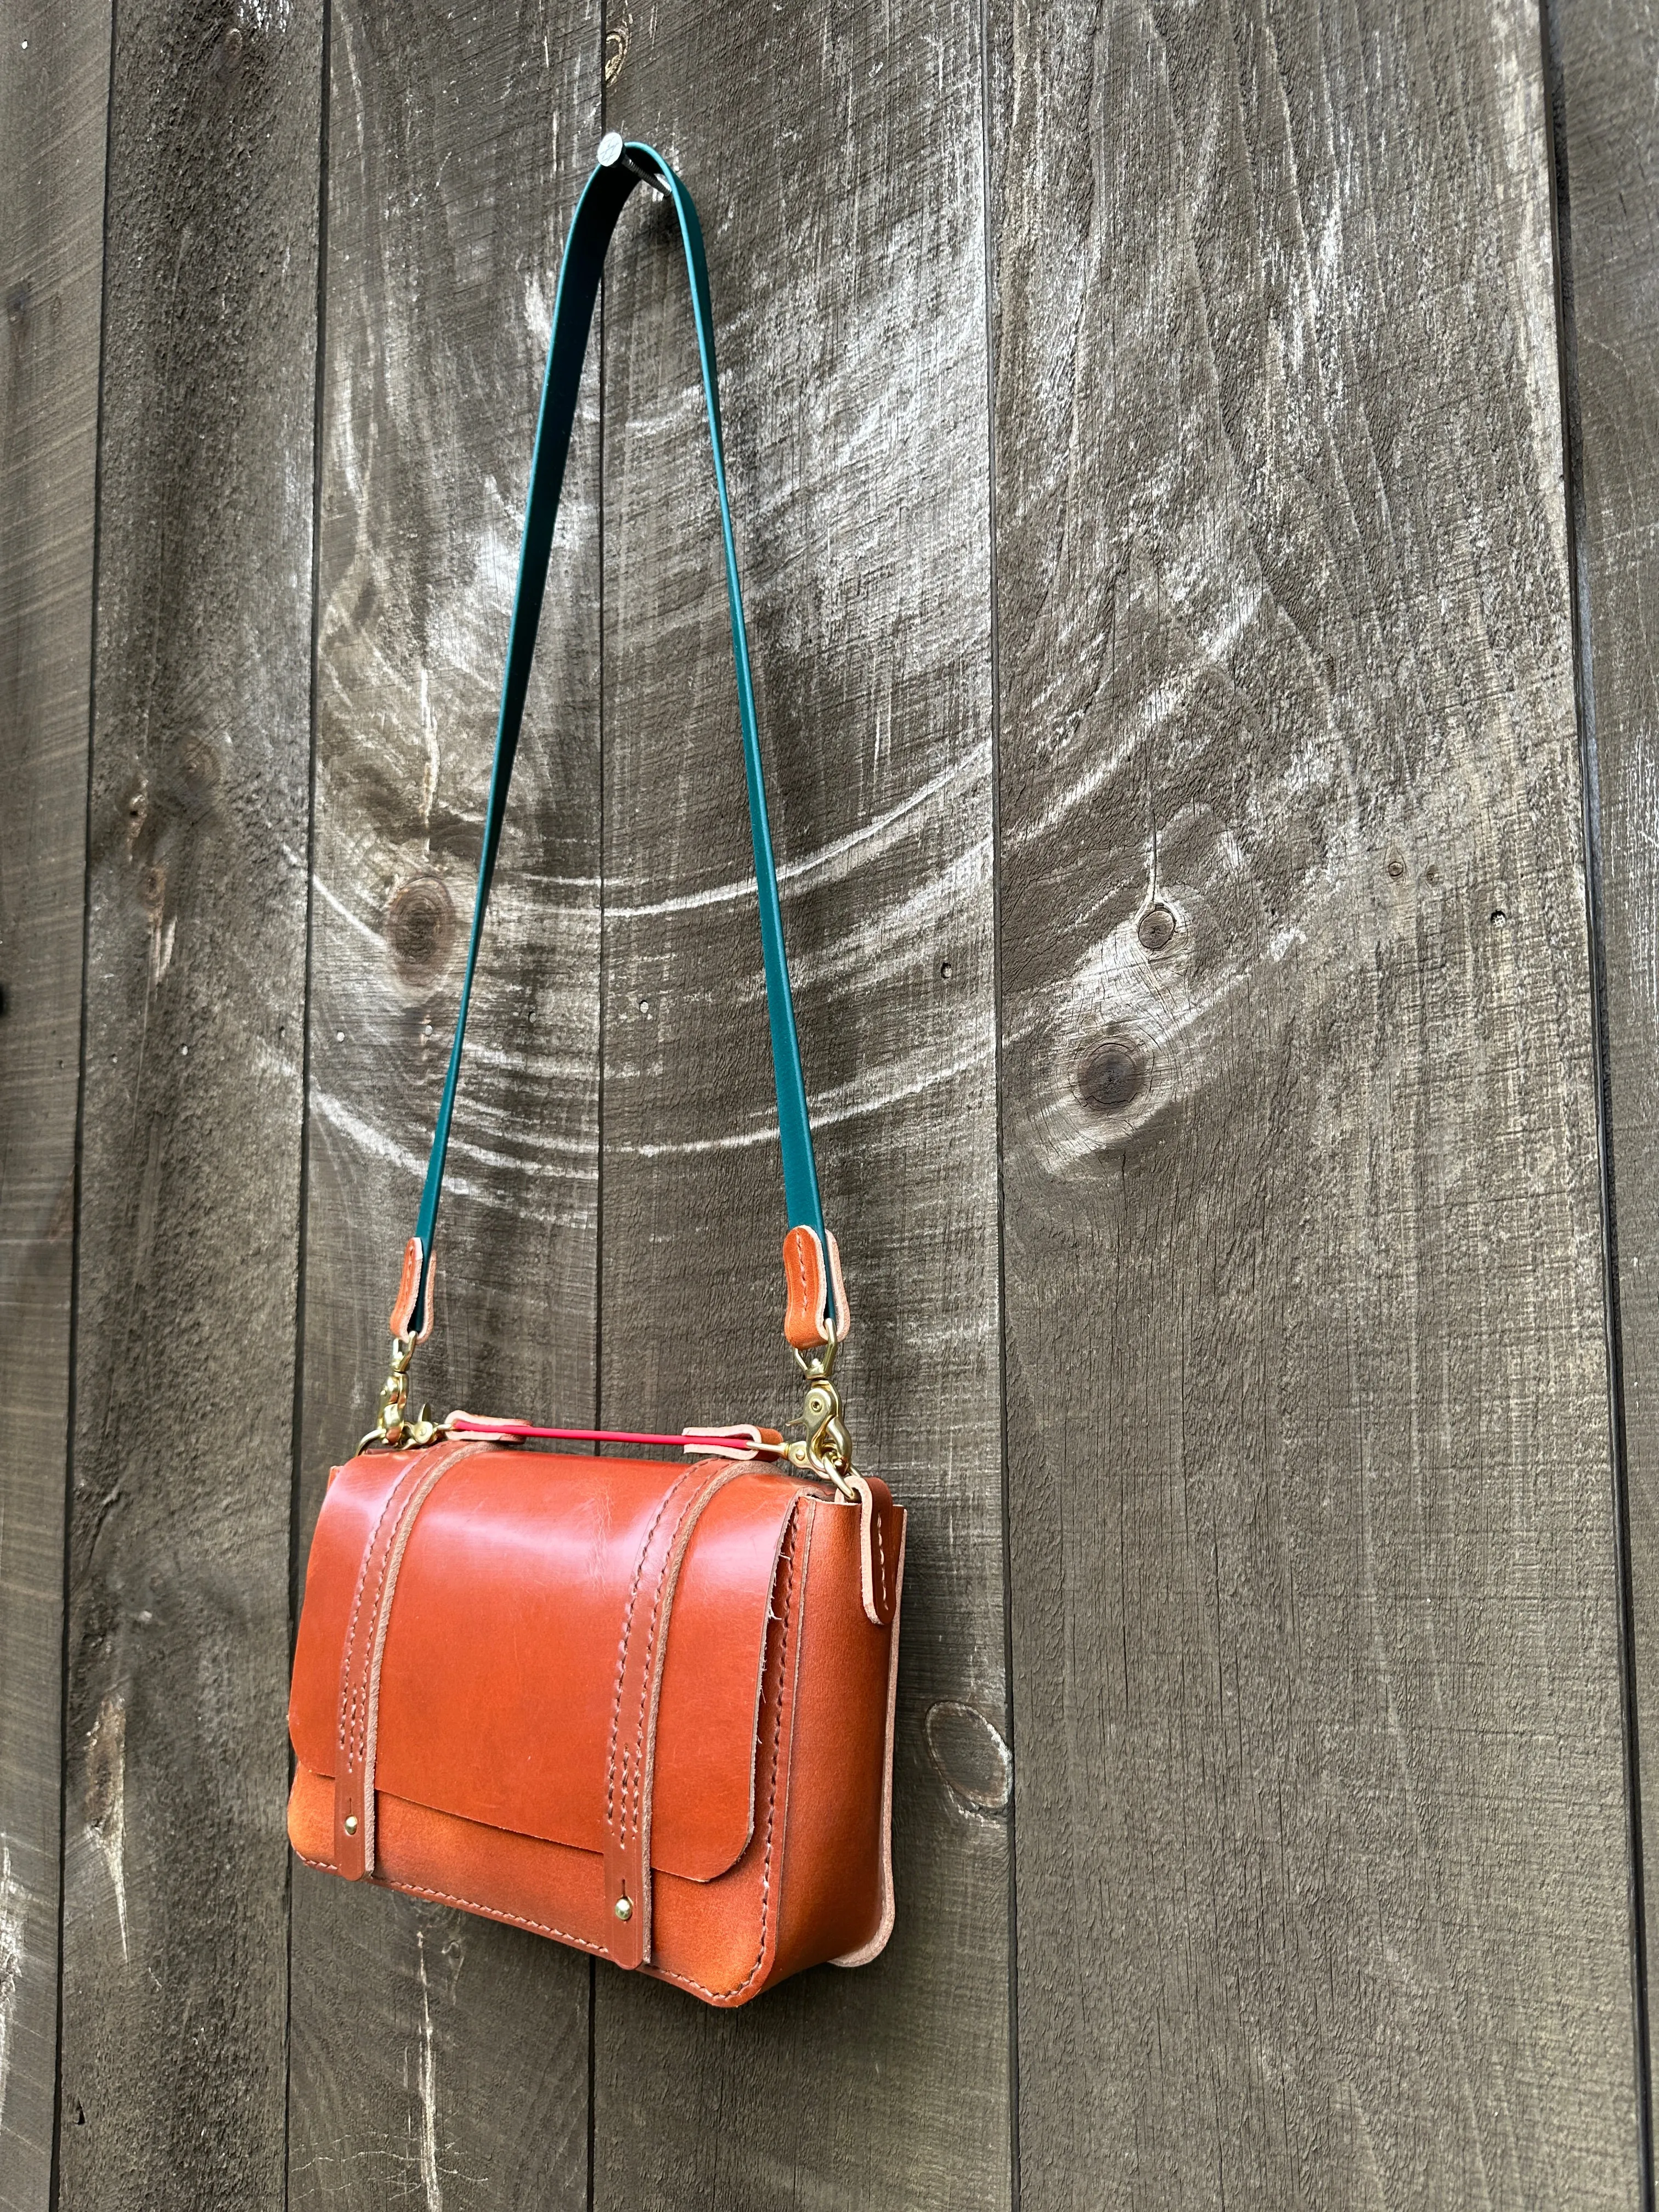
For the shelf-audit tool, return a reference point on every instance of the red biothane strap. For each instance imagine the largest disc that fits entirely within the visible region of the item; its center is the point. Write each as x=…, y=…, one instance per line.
x=739, y=1441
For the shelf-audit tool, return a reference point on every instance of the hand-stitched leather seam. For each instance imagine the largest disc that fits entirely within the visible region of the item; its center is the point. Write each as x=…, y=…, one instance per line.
x=687, y=1981
x=494, y=1912
x=354, y=1716
x=630, y=1811
x=427, y=1477
x=357, y=1602
x=621, y=1647
x=468, y=1905
x=805, y=1281
x=881, y=1564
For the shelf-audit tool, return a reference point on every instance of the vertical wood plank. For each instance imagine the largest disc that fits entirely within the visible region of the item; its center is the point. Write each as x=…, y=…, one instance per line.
x=54, y=84
x=438, y=2056
x=1321, y=1868
x=175, y=1871
x=1607, y=53
x=836, y=159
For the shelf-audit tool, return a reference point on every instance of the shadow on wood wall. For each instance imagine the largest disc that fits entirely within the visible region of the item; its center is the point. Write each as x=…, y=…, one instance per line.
x=1178, y=612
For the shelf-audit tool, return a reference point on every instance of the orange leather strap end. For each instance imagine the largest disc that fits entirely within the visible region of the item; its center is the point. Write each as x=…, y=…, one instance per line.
x=409, y=1289
x=816, y=1291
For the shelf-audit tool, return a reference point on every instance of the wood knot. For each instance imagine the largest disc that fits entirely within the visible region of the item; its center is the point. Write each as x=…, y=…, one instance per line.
x=971, y=1757
x=198, y=769
x=1155, y=928
x=420, y=929
x=105, y=1769
x=1111, y=1075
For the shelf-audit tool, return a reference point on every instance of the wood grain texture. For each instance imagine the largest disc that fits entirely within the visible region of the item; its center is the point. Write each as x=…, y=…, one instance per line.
x=836, y=156
x=439, y=2056
x=175, y=1930
x=1607, y=53
x=1321, y=1848
x=54, y=78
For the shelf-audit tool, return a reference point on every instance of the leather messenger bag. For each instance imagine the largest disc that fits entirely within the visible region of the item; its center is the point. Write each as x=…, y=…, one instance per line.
x=641, y=1705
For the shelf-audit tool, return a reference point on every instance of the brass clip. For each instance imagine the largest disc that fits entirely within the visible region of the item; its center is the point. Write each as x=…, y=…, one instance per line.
x=826, y=1449
x=394, y=1427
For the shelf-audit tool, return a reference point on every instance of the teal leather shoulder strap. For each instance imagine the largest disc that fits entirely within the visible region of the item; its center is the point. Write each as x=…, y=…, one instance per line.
x=603, y=199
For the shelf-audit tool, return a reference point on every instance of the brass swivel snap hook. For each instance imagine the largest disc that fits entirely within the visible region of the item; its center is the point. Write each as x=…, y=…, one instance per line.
x=826, y=1449
x=394, y=1426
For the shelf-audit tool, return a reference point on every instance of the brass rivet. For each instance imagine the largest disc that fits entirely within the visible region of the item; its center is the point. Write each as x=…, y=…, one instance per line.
x=351, y=1823
x=624, y=1910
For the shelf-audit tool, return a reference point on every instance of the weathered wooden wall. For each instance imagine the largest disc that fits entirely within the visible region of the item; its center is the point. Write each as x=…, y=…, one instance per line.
x=1606, y=58
x=1196, y=476
x=53, y=83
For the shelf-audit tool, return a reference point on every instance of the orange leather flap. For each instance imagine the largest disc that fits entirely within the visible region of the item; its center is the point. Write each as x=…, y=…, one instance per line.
x=499, y=1685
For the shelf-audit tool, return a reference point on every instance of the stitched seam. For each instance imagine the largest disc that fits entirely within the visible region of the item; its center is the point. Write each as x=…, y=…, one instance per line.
x=881, y=1562
x=349, y=1706
x=518, y=1919
x=632, y=1787
x=621, y=1647
x=396, y=1544
x=360, y=1691
x=686, y=1981
x=354, y=1707
x=402, y=1311
x=468, y=1905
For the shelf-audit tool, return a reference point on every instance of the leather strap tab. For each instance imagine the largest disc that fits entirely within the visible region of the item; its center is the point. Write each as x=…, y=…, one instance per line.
x=881, y=1546
x=409, y=1291
x=360, y=1656
x=631, y=1772
x=811, y=1286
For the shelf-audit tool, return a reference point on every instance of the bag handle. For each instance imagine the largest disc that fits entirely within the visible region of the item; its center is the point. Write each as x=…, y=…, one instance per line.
x=816, y=1315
